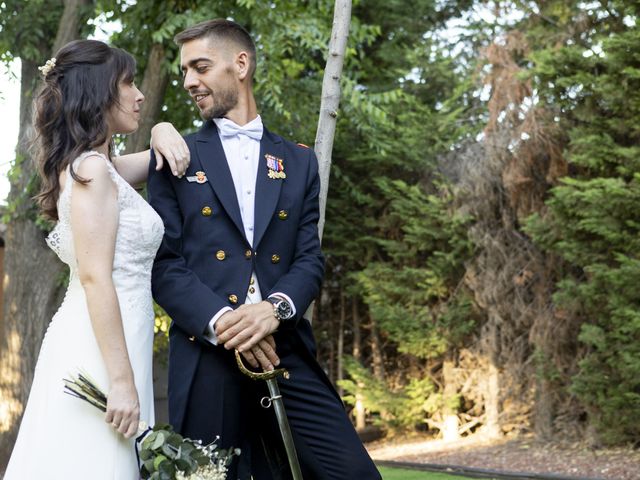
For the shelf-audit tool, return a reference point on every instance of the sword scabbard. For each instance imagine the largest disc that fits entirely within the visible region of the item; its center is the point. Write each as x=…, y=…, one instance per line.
x=275, y=399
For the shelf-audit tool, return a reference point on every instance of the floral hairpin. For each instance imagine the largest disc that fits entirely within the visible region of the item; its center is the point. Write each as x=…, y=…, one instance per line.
x=47, y=67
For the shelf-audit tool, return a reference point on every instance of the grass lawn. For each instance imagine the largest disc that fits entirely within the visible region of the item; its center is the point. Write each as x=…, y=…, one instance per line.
x=389, y=473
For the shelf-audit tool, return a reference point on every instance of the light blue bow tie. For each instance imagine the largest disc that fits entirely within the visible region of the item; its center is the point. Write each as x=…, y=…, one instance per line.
x=230, y=129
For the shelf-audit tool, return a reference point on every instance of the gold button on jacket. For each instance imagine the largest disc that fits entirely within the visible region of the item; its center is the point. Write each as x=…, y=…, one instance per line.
x=192, y=338
x=282, y=214
x=247, y=254
x=206, y=211
x=220, y=255
x=275, y=258
x=233, y=299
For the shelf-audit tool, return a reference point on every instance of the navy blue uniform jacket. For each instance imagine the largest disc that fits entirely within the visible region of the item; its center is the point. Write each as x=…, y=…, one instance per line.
x=189, y=279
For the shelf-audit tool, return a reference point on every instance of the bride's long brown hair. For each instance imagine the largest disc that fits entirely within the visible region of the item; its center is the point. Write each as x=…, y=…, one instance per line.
x=70, y=110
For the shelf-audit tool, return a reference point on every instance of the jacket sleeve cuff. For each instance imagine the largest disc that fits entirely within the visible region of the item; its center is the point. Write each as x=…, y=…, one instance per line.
x=210, y=334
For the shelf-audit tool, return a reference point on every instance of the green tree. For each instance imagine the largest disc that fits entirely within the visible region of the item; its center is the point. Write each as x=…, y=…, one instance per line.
x=394, y=240
x=593, y=220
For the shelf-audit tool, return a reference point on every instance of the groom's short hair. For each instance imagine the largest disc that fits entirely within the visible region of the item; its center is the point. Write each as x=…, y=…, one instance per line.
x=223, y=30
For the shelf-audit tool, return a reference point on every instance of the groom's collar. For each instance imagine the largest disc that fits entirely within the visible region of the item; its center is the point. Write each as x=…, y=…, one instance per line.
x=209, y=130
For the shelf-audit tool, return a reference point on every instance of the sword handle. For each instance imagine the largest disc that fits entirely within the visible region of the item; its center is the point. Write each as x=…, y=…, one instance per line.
x=260, y=375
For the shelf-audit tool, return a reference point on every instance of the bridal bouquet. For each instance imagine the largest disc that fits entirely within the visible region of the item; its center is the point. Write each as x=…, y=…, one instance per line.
x=164, y=454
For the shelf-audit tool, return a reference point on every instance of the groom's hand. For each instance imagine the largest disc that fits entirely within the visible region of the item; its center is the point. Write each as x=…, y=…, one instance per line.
x=263, y=354
x=244, y=327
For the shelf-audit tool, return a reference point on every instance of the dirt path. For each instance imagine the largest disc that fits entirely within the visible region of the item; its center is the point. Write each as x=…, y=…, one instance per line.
x=529, y=456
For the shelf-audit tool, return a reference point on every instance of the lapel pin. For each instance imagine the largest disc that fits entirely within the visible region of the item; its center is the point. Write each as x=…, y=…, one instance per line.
x=275, y=166
x=199, y=177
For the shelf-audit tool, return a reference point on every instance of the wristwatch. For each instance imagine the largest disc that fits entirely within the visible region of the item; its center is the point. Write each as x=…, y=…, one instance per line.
x=281, y=308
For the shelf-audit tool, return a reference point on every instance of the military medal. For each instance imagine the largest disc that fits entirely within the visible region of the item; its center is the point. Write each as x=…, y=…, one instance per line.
x=275, y=166
x=199, y=177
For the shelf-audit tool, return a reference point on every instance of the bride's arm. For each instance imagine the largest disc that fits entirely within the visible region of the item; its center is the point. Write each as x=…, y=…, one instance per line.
x=169, y=146
x=94, y=224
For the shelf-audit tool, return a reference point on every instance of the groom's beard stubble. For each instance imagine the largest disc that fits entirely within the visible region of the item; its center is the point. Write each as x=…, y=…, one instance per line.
x=223, y=102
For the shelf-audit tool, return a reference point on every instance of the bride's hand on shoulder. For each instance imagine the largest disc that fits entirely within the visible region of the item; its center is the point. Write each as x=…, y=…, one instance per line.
x=169, y=146
x=123, y=408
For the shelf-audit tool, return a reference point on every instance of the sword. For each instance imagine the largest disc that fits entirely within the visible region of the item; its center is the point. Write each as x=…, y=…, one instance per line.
x=275, y=399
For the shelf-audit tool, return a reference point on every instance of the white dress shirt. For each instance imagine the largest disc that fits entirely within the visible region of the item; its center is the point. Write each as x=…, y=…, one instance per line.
x=242, y=150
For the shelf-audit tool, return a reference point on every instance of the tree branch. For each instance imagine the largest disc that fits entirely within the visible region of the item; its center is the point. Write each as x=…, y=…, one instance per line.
x=69, y=23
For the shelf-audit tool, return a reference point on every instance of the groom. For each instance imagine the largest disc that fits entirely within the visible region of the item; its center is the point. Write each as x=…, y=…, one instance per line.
x=239, y=265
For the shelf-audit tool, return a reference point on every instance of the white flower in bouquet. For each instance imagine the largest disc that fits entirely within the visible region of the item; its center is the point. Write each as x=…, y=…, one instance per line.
x=208, y=472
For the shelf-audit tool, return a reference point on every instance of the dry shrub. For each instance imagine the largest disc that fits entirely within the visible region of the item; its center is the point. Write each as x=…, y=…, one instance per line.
x=500, y=182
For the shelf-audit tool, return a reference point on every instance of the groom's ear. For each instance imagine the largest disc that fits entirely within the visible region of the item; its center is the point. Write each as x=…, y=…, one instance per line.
x=243, y=65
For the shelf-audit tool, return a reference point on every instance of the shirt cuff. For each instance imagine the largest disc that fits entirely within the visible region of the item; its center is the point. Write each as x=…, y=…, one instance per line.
x=210, y=334
x=286, y=297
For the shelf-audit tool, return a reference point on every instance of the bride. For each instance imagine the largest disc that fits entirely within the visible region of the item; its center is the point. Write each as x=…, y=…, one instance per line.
x=108, y=235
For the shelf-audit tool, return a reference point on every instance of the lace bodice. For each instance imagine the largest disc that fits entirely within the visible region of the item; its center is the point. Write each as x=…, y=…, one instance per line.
x=140, y=231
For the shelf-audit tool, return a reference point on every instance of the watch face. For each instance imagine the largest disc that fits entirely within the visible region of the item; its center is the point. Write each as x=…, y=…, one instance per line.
x=284, y=310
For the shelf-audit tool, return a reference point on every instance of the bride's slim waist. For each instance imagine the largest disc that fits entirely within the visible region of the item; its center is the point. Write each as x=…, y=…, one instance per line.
x=136, y=309
x=126, y=290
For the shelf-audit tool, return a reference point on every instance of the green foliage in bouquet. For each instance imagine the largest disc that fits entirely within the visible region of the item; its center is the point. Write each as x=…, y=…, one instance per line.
x=166, y=455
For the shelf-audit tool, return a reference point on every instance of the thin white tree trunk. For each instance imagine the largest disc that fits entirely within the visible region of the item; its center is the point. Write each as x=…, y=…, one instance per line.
x=329, y=103
x=331, y=99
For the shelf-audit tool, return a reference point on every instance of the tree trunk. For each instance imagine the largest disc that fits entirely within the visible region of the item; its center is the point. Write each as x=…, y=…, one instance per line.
x=491, y=427
x=329, y=103
x=543, y=409
x=376, y=351
x=33, y=276
x=70, y=23
x=154, y=84
x=492, y=400
x=325, y=306
x=359, y=410
x=340, y=353
x=2, y=335
x=451, y=422
x=331, y=99
x=546, y=340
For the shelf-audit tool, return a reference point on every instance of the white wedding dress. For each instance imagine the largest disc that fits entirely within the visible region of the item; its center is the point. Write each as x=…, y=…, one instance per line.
x=62, y=437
